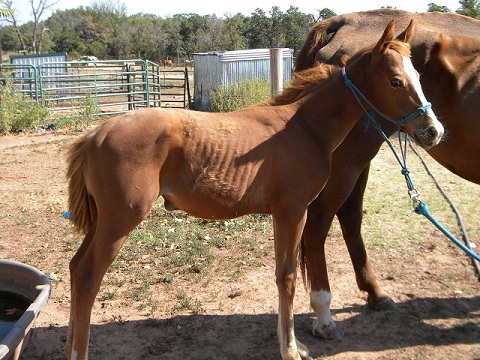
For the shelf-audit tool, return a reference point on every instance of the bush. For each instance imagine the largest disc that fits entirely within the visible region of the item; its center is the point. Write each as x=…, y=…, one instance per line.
x=239, y=95
x=18, y=112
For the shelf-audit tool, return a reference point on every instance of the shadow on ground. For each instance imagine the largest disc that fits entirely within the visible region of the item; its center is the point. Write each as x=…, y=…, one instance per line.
x=254, y=336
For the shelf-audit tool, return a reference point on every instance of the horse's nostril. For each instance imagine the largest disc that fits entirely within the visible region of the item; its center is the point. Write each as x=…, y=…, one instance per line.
x=432, y=132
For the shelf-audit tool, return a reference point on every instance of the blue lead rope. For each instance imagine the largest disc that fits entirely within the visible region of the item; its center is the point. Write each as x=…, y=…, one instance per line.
x=419, y=206
x=422, y=209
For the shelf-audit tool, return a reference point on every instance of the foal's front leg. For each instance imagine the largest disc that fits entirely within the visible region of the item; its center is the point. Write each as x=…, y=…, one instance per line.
x=287, y=231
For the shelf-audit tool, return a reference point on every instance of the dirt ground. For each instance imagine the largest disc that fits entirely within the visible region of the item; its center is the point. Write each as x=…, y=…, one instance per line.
x=434, y=286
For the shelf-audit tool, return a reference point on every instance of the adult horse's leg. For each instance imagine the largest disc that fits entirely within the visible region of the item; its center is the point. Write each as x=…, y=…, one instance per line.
x=343, y=195
x=287, y=231
x=320, y=216
x=350, y=216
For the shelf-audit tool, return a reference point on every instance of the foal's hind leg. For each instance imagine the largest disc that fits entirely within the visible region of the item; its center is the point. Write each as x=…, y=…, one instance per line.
x=86, y=278
x=73, y=265
x=92, y=260
x=350, y=217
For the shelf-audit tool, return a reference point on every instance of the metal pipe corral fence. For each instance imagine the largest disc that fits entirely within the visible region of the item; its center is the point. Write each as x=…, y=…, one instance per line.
x=111, y=86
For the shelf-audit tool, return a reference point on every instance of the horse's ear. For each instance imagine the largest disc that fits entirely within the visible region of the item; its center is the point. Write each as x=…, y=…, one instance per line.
x=407, y=34
x=386, y=38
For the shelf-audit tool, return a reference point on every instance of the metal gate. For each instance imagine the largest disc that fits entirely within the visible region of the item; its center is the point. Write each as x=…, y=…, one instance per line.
x=112, y=86
x=175, y=88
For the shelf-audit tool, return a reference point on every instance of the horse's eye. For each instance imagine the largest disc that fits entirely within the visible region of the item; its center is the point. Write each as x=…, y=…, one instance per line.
x=396, y=82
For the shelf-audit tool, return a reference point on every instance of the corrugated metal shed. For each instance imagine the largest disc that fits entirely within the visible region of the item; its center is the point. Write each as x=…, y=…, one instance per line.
x=37, y=59
x=214, y=69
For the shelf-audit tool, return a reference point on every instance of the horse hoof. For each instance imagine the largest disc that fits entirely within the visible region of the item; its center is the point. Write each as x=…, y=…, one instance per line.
x=382, y=305
x=327, y=332
x=303, y=351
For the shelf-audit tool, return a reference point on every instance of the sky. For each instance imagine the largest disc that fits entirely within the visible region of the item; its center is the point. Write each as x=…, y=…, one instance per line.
x=165, y=8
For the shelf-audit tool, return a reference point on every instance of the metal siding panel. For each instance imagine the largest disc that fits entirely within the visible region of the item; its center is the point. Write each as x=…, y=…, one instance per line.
x=39, y=59
x=215, y=69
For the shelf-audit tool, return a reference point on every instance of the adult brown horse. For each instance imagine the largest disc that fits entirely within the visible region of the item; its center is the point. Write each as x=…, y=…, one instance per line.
x=445, y=49
x=167, y=62
x=271, y=158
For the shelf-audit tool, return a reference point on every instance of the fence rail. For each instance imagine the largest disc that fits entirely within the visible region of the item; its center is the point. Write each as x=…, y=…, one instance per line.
x=113, y=86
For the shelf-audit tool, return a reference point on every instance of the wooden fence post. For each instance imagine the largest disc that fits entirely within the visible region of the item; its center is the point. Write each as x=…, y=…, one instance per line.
x=276, y=71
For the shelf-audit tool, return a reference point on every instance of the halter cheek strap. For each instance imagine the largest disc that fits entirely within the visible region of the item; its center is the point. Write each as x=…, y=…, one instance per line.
x=359, y=96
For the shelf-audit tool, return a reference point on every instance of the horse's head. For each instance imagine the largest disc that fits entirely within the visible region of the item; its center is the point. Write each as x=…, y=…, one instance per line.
x=392, y=86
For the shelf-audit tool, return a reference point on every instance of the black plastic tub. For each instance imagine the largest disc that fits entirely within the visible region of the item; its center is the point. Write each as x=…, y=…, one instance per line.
x=24, y=290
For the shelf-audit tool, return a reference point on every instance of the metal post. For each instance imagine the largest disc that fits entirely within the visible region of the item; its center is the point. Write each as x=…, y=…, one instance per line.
x=276, y=71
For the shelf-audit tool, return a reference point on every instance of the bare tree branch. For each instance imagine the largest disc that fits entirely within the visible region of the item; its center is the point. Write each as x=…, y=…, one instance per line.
x=13, y=20
x=38, y=8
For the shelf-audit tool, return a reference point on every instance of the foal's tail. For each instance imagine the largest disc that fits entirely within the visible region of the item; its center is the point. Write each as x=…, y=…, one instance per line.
x=318, y=36
x=80, y=202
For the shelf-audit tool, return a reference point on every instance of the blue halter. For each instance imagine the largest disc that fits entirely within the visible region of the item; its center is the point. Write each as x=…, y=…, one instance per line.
x=358, y=94
x=419, y=206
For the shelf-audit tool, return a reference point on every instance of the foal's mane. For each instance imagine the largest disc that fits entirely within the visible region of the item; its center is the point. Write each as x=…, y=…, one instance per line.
x=306, y=81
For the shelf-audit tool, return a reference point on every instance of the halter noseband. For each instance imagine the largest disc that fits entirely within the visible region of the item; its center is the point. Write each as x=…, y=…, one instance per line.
x=358, y=94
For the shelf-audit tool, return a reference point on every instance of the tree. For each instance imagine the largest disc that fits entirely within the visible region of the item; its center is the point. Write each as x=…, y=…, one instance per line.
x=76, y=32
x=469, y=8
x=173, y=44
x=10, y=40
x=212, y=36
x=277, y=38
x=5, y=12
x=295, y=26
x=38, y=30
x=258, y=30
x=112, y=16
x=190, y=26
x=106, y=31
x=145, y=31
x=234, y=28
x=434, y=7
x=323, y=14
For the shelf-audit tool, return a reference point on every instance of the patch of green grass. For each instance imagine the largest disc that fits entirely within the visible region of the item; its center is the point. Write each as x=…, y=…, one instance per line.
x=79, y=118
x=173, y=245
x=137, y=293
x=107, y=295
x=390, y=224
x=187, y=303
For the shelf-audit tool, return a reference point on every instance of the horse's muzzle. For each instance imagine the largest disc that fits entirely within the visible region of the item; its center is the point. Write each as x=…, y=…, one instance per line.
x=428, y=137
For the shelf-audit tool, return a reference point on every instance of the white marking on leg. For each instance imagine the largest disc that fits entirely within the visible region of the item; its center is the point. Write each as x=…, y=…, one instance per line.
x=320, y=303
x=74, y=355
x=288, y=343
